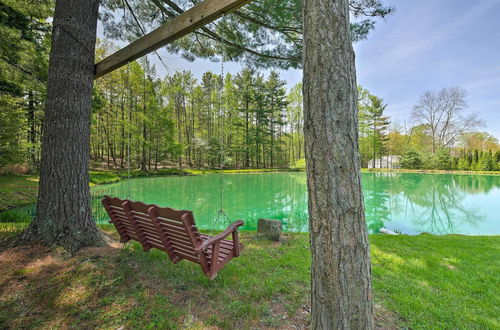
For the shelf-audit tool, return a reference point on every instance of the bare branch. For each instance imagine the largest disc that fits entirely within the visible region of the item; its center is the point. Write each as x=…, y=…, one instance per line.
x=442, y=113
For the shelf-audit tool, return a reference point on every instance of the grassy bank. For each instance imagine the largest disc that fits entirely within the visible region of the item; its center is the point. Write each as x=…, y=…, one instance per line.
x=248, y=170
x=419, y=282
x=17, y=190
x=103, y=177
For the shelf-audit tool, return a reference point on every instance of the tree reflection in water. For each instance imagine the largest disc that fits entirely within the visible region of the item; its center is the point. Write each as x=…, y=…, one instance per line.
x=434, y=203
x=407, y=202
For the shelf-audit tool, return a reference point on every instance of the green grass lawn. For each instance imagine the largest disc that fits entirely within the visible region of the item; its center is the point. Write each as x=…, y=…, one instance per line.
x=17, y=190
x=439, y=282
x=419, y=282
x=103, y=177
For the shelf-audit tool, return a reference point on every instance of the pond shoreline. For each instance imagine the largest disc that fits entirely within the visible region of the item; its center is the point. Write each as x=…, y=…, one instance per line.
x=460, y=204
x=400, y=170
x=17, y=193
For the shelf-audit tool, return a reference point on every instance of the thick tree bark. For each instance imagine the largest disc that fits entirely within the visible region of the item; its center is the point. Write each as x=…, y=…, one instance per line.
x=340, y=268
x=63, y=215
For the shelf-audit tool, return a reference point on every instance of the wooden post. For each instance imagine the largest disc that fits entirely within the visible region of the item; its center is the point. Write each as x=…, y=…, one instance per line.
x=214, y=265
x=236, y=243
x=192, y=19
x=188, y=220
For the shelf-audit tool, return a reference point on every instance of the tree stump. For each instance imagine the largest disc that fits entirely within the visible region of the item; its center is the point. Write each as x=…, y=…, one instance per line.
x=269, y=229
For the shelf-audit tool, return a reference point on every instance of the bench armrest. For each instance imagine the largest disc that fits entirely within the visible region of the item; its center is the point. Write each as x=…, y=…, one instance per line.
x=232, y=229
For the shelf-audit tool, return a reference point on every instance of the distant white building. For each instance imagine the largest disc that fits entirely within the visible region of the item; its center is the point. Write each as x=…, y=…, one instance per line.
x=391, y=161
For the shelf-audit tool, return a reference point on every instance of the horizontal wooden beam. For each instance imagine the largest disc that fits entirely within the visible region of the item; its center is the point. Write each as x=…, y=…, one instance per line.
x=192, y=19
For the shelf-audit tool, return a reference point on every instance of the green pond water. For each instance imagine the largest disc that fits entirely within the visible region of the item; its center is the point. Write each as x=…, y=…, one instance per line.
x=404, y=202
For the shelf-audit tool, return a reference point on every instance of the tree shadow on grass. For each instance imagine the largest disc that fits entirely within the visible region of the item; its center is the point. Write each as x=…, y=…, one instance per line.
x=122, y=286
x=116, y=286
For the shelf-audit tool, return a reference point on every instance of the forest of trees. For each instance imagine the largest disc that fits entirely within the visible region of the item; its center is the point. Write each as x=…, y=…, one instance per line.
x=247, y=119
x=443, y=136
x=24, y=49
x=242, y=120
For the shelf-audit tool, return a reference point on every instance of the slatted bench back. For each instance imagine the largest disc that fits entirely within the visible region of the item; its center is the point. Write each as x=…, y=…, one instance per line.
x=163, y=228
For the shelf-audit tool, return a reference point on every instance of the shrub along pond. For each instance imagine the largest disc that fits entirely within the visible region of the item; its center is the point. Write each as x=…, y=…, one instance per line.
x=409, y=203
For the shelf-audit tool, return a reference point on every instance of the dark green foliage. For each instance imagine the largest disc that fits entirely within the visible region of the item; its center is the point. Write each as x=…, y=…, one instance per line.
x=14, y=216
x=24, y=42
x=23, y=33
x=443, y=160
x=475, y=156
x=103, y=177
x=373, y=126
x=485, y=162
x=478, y=160
x=411, y=160
x=12, y=125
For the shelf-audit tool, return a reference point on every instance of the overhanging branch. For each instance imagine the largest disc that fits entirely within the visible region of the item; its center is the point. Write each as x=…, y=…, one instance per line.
x=192, y=19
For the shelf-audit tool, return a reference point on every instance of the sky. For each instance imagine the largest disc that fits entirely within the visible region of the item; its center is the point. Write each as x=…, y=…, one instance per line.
x=424, y=45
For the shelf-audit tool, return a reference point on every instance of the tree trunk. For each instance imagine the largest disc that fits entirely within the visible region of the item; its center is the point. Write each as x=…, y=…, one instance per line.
x=179, y=130
x=63, y=215
x=341, y=295
x=143, y=157
x=32, y=132
x=247, y=138
x=122, y=141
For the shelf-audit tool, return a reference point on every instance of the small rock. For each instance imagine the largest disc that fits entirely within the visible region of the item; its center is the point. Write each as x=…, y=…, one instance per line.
x=270, y=229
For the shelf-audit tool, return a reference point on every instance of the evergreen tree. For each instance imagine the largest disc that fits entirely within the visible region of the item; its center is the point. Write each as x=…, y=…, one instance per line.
x=24, y=46
x=411, y=160
x=266, y=33
x=276, y=103
x=463, y=164
x=295, y=119
x=443, y=160
x=373, y=125
x=245, y=84
x=485, y=162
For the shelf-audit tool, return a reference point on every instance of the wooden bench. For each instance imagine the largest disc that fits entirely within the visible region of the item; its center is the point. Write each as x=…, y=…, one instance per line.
x=173, y=231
